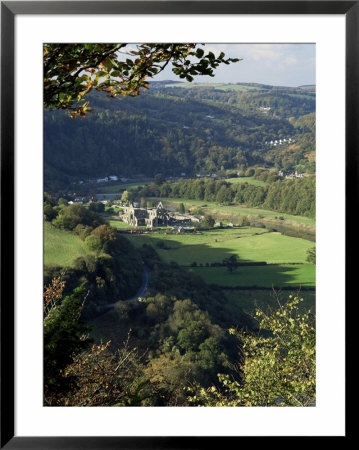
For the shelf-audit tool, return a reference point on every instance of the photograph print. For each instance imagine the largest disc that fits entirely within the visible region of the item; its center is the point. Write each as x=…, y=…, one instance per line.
x=179, y=224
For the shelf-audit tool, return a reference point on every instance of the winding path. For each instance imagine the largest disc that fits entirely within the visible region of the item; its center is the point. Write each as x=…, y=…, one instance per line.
x=144, y=286
x=140, y=293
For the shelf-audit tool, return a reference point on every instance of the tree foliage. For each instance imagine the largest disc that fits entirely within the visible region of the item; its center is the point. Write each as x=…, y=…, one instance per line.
x=277, y=365
x=181, y=208
x=231, y=263
x=311, y=255
x=69, y=217
x=208, y=221
x=77, y=374
x=105, y=377
x=64, y=334
x=126, y=196
x=289, y=196
x=73, y=70
x=113, y=269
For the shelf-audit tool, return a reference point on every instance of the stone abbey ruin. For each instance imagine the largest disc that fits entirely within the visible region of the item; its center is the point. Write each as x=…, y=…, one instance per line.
x=155, y=217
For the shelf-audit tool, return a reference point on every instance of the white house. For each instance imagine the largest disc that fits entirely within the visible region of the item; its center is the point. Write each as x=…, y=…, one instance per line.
x=102, y=180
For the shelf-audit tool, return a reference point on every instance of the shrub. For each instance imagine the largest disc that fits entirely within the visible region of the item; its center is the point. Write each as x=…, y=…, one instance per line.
x=311, y=255
x=82, y=231
x=93, y=243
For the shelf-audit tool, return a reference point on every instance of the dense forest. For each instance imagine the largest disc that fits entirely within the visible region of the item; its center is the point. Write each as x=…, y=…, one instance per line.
x=174, y=130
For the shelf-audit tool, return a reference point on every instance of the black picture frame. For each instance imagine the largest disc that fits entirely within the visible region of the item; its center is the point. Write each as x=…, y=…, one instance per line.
x=9, y=9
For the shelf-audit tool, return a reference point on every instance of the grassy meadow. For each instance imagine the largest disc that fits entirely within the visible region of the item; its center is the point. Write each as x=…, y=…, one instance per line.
x=248, y=243
x=62, y=247
x=272, y=275
x=119, y=224
x=233, y=212
x=284, y=257
x=249, y=180
x=118, y=188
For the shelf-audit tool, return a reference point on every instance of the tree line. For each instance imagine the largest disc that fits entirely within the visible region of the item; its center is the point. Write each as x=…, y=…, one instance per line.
x=283, y=102
x=287, y=196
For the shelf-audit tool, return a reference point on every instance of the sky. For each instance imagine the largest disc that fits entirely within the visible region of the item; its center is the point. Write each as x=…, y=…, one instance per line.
x=274, y=64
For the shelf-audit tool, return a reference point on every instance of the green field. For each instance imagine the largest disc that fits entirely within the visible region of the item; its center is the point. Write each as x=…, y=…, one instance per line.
x=249, y=180
x=235, y=211
x=285, y=256
x=176, y=241
x=119, y=224
x=248, y=243
x=120, y=187
x=272, y=275
x=273, y=248
x=62, y=247
x=116, y=209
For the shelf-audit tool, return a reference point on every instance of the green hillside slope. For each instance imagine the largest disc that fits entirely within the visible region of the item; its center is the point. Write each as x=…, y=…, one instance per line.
x=62, y=247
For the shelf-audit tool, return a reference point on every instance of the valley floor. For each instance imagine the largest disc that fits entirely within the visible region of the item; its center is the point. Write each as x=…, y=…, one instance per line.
x=268, y=260
x=271, y=264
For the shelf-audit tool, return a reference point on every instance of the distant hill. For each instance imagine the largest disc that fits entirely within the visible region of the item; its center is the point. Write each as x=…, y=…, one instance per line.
x=171, y=129
x=165, y=82
x=309, y=87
